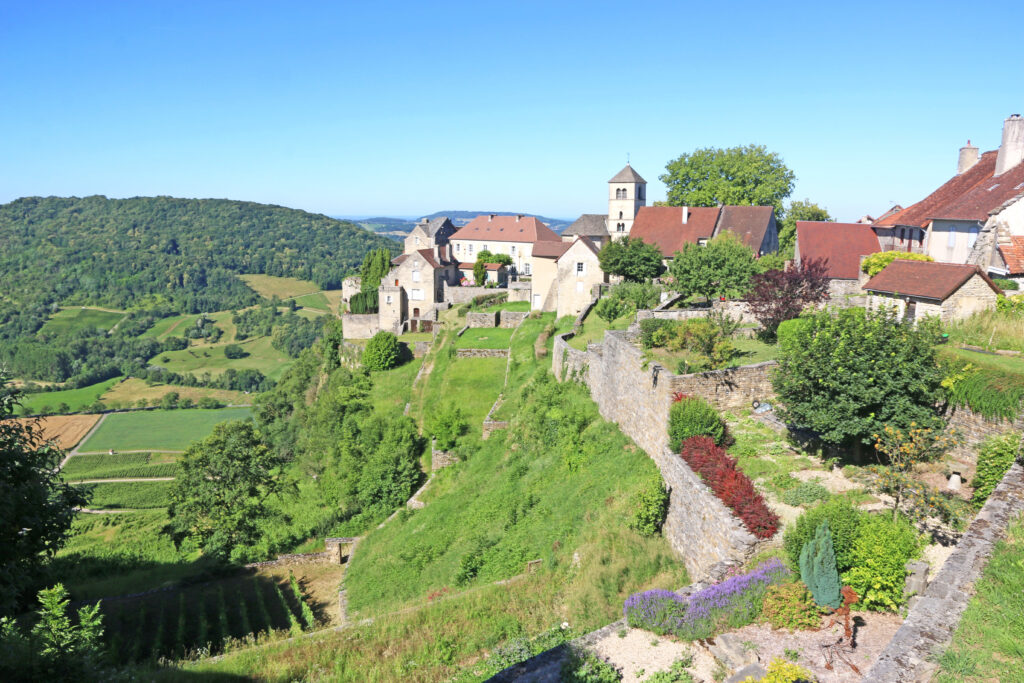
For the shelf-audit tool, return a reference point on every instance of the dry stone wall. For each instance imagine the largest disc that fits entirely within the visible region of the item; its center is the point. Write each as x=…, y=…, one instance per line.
x=481, y=353
x=483, y=319
x=512, y=318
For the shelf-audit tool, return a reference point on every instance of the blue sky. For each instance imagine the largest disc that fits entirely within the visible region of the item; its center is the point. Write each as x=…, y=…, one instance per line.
x=354, y=108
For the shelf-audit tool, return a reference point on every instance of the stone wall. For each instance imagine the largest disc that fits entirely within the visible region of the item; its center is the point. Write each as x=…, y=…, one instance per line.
x=481, y=353
x=463, y=295
x=673, y=314
x=511, y=318
x=359, y=326
x=484, y=319
x=519, y=291
x=930, y=624
x=736, y=309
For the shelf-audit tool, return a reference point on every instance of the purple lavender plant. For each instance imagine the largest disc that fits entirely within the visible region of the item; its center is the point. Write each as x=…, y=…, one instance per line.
x=655, y=610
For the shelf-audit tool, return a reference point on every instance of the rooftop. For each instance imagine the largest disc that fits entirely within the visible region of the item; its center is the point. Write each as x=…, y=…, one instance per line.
x=840, y=244
x=518, y=228
x=925, y=279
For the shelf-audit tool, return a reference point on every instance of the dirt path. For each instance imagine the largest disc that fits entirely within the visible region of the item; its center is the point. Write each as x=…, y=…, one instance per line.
x=102, y=512
x=74, y=451
x=141, y=450
x=131, y=480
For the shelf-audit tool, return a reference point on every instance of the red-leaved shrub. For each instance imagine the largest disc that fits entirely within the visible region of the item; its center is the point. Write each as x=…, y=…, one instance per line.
x=718, y=470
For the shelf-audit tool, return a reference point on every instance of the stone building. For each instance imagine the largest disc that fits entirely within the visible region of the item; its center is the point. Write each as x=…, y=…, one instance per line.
x=512, y=235
x=672, y=227
x=565, y=276
x=414, y=286
x=842, y=246
x=917, y=289
x=429, y=233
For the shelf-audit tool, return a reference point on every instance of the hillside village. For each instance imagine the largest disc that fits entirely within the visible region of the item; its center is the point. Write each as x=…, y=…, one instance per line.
x=668, y=444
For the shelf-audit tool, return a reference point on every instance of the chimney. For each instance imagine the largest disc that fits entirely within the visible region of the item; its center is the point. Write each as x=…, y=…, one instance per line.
x=490, y=218
x=1011, y=151
x=968, y=157
x=518, y=217
x=685, y=217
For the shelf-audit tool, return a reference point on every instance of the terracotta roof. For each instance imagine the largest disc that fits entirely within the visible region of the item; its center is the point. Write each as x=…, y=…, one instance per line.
x=749, y=223
x=971, y=195
x=842, y=244
x=627, y=175
x=585, y=242
x=468, y=265
x=506, y=229
x=664, y=227
x=589, y=224
x=398, y=259
x=925, y=279
x=428, y=256
x=550, y=249
x=1013, y=255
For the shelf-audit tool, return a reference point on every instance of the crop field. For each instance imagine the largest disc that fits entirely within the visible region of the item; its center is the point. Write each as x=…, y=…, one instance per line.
x=121, y=466
x=71, y=319
x=172, y=326
x=130, y=391
x=123, y=495
x=199, y=359
x=66, y=430
x=269, y=286
x=160, y=430
x=174, y=623
x=485, y=338
x=316, y=301
x=75, y=399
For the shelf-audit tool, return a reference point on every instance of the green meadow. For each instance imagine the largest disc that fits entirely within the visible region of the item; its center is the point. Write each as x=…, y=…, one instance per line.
x=164, y=430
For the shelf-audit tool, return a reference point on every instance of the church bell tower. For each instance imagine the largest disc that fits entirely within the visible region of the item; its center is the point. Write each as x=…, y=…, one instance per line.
x=627, y=192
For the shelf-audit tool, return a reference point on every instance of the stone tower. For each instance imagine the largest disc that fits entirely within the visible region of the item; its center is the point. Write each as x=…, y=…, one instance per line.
x=627, y=192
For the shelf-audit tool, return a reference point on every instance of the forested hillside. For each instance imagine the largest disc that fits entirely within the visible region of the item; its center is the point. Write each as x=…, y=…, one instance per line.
x=183, y=253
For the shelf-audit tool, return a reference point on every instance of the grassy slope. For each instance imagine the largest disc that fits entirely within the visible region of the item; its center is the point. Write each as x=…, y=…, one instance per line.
x=200, y=359
x=120, y=465
x=269, y=286
x=593, y=329
x=170, y=430
x=128, y=495
x=68, y=319
x=484, y=338
x=75, y=398
x=132, y=390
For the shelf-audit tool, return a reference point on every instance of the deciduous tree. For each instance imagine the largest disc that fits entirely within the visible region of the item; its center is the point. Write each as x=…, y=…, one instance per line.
x=805, y=210
x=749, y=175
x=721, y=268
x=632, y=259
x=780, y=295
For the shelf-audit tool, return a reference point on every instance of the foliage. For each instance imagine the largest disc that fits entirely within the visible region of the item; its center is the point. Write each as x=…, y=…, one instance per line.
x=364, y=302
x=916, y=498
x=1006, y=284
x=587, y=668
x=781, y=671
x=57, y=647
x=490, y=257
x=843, y=522
x=846, y=376
x=749, y=175
x=638, y=295
x=805, y=210
x=995, y=456
x=780, y=295
x=730, y=485
x=381, y=352
x=805, y=493
x=649, y=327
x=1013, y=304
x=447, y=426
x=790, y=606
x=703, y=337
x=693, y=416
x=873, y=264
x=234, y=351
x=376, y=265
x=676, y=673
x=657, y=610
x=990, y=385
x=721, y=268
x=141, y=495
x=900, y=451
x=36, y=505
x=608, y=309
x=818, y=568
x=479, y=272
x=221, y=493
x=650, y=506
x=879, y=555
x=632, y=259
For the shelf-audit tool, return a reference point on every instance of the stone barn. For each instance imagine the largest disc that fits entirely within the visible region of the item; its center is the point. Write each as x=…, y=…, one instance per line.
x=950, y=291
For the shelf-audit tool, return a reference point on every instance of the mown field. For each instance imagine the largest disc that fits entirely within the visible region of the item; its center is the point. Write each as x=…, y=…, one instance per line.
x=269, y=286
x=130, y=391
x=201, y=359
x=79, y=318
x=123, y=495
x=66, y=430
x=164, y=430
x=75, y=399
x=121, y=466
x=485, y=338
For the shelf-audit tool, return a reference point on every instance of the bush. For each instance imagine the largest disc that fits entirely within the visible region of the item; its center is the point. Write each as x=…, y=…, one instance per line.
x=995, y=456
x=588, y=668
x=731, y=486
x=1010, y=304
x=209, y=402
x=676, y=673
x=648, y=327
x=637, y=295
x=650, y=505
x=790, y=329
x=658, y=611
x=876, y=263
x=879, y=555
x=448, y=425
x=781, y=671
x=364, y=302
x=1005, y=284
x=609, y=309
x=843, y=521
x=234, y=351
x=381, y=352
x=733, y=603
x=818, y=568
x=806, y=493
x=790, y=606
x=693, y=416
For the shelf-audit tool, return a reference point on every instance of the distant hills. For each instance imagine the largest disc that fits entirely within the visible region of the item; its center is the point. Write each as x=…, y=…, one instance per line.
x=397, y=227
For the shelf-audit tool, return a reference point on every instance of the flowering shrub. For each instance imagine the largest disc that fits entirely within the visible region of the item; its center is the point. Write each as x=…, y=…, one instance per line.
x=781, y=671
x=730, y=485
x=655, y=610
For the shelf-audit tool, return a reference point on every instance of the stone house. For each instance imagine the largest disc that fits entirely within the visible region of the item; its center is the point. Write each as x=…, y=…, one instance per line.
x=497, y=273
x=565, y=275
x=429, y=233
x=950, y=291
x=512, y=235
x=414, y=286
x=842, y=245
x=672, y=227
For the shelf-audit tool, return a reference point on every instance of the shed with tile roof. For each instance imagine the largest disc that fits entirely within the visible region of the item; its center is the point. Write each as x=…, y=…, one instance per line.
x=917, y=289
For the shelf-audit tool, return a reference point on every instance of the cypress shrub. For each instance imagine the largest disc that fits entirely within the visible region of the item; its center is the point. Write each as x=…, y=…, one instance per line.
x=818, y=568
x=364, y=302
x=693, y=416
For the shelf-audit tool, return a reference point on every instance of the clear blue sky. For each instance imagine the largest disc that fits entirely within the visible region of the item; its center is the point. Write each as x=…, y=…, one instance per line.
x=408, y=108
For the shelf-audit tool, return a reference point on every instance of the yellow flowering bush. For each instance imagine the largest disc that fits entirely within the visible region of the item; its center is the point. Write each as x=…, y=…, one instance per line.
x=782, y=671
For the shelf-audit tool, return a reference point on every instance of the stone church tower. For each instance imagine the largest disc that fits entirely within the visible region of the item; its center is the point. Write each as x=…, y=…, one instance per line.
x=627, y=192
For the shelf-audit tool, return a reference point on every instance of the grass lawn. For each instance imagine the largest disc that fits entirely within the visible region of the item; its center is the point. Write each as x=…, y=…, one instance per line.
x=316, y=301
x=392, y=388
x=988, y=645
x=165, y=430
x=121, y=466
x=76, y=399
x=200, y=359
x=174, y=325
x=995, y=385
x=593, y=329
x=519, y=306
x=80, y=318
x=132, y=390
x=989, y=330
x=269, y=286
x=413, y=337
x=750, y=351
x=148, y=495
x=484, y=338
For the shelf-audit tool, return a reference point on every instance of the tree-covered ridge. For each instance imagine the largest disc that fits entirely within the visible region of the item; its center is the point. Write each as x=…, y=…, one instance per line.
x=184, y=253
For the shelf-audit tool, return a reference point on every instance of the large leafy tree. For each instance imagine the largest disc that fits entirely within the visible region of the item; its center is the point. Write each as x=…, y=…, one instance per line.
x=36, y=506
x=780, y=295
x=749, y=175
x=848, y=375
x=805, y=210
x=633, y=259
x=220, y=497
x=721, y=268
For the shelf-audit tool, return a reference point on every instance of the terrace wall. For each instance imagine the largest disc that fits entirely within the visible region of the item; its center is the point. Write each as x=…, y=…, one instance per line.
x=360, y=325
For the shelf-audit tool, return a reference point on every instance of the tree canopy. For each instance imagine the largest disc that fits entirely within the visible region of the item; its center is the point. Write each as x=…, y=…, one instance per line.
x=376, y=265
x=721, y=268
x=805, y=210
x=633, y=259
x=779, y=295
x=749, y=175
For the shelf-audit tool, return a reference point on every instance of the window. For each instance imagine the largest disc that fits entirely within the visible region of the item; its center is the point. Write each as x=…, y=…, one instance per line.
x=485, y=248
x=702, y=242
x=903, y=235
x=620, y=215
x=513, y=250
x=416, y=294
x=526, y=269
x=621, y=227
x=640, y=192
x=951, y=238
x=579, y=268
x=471, y=250
x=415, y=276
x=972, y=237
x=388, y=299
x=417, y=240
x=458, y=246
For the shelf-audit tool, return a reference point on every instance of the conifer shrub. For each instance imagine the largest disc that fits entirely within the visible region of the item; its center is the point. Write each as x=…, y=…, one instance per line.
x=818, y=568
x=995, y=456
x=381, y=352
x=790, y=606
x=805, y=493
x=879, y=555
x=364, y=302
x=693, y=416
x=843, y=521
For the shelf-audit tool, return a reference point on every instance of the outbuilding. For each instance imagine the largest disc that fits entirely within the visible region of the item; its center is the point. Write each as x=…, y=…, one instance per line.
x=949, y=291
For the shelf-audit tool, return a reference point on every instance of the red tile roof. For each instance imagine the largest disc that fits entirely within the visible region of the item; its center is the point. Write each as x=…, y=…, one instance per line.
x=842, y=244
x=971, y=195
x=925, y=279
x=468, y=265
x=664, y=227
x=506, y=229
x=550, y=249
x=749, y=223
x=1013, y=255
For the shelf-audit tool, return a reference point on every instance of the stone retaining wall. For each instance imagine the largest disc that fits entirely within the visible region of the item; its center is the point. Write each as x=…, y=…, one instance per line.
x=512, y=318
x=483, y=319
x=481, y=353
x=360, y=326
x=930, y=624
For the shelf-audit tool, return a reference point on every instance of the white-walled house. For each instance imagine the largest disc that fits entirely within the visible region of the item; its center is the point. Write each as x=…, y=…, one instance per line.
x=512, y=235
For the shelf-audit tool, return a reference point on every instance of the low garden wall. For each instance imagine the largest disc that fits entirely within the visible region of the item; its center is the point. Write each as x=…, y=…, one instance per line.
x=463, y=295
x=973, y=428
x=481, y=353
x=482, y=319
x=512, y=318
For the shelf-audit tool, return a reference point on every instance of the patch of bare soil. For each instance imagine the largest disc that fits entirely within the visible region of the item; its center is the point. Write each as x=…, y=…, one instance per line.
x=319, y=582
x=66, y=430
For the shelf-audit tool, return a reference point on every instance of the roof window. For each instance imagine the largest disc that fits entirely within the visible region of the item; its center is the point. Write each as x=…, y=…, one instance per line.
x=993, y=187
